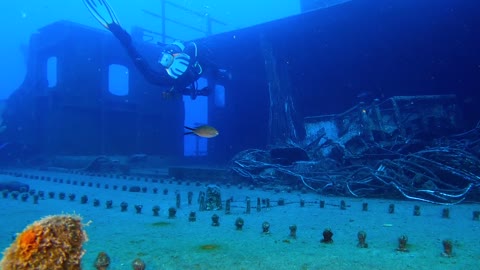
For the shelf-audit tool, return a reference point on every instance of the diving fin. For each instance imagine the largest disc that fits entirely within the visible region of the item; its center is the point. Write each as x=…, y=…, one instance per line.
x=102, y=11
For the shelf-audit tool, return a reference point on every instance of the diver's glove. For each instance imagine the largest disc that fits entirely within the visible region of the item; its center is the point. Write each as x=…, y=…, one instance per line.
x=120, y=34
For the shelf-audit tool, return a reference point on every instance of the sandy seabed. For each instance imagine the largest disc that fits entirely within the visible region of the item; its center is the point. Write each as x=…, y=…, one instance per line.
x=164, y=243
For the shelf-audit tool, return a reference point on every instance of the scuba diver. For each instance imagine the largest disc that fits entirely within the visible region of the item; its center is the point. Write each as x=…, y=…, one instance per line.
x=180, y=68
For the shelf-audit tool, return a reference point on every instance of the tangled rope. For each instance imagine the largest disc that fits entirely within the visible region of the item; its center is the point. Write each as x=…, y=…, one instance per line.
x=444, y=171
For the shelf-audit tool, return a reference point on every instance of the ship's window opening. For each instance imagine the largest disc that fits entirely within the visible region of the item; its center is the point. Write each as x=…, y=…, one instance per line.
x=52, y=71
x=118, y=78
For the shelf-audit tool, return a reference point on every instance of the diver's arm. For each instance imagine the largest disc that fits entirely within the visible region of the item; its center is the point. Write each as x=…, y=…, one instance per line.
x=151, y=75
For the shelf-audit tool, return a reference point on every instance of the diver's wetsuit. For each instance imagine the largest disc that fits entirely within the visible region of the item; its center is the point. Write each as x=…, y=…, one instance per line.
x=183, y=84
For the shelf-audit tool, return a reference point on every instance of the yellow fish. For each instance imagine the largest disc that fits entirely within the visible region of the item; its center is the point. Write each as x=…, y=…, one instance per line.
x=203, y=131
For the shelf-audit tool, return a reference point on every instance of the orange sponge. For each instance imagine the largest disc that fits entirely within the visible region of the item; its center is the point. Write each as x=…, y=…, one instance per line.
x=54, y=242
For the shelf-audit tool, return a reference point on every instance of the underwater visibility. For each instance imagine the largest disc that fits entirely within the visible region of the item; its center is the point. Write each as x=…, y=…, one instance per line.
x=305, y=134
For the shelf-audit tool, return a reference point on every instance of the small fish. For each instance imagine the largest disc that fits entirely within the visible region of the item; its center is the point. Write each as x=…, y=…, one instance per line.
x=203, y=131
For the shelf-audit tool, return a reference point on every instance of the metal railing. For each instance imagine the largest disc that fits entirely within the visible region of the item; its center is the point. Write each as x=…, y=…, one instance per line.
x=165, y=4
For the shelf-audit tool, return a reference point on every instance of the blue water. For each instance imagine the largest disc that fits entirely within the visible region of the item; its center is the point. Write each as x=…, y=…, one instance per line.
x=311, y=99
x=23, y=18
